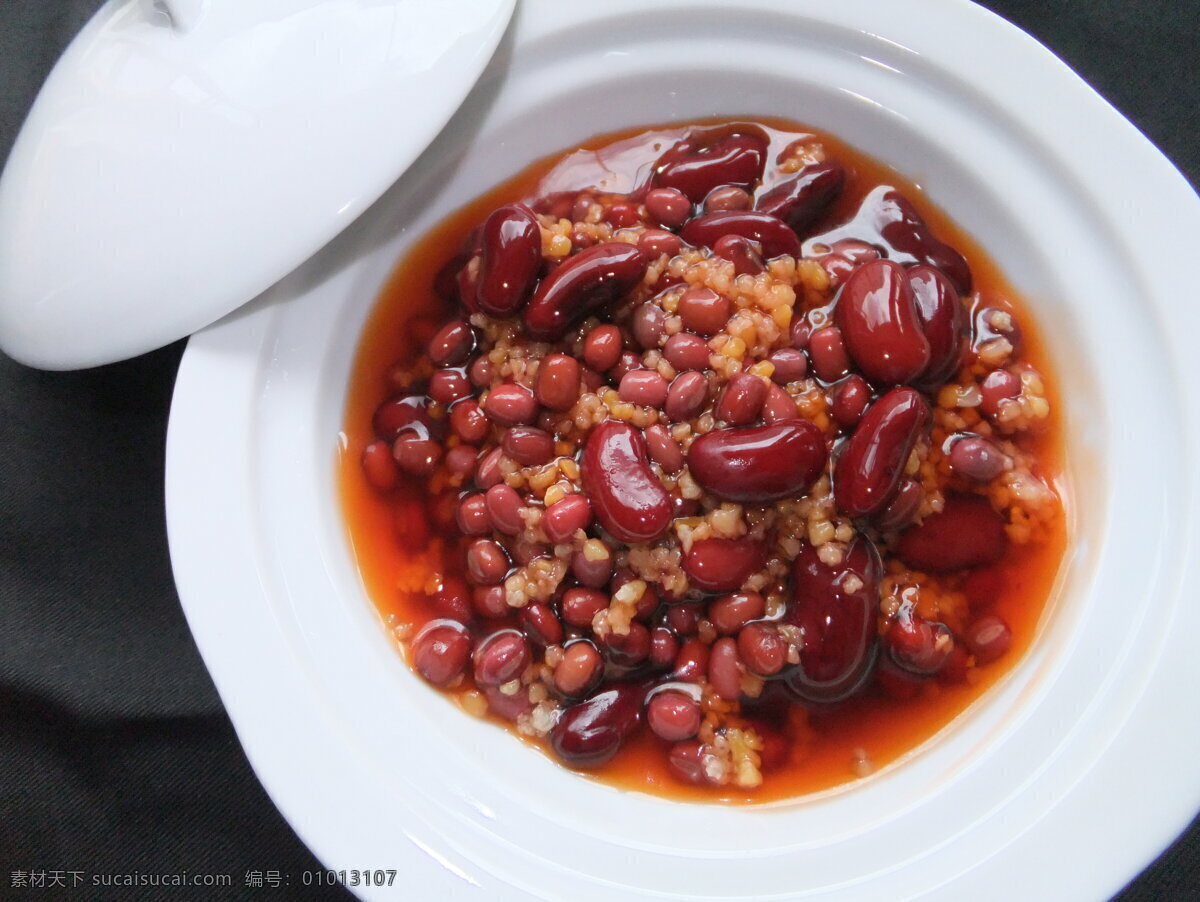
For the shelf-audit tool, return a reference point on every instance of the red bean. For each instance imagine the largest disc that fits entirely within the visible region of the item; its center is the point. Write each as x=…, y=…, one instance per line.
x=686, y=396
x=647, y=324
x=917, y=644
x=741, y=399
x=628, y=500
x=727, y=197
x=772, y=234
x=684, y=619
x=691, y=664
x=673, y=715
x=882, y=331
x=564, y=518
x=511, y=405
x=440, y=651
x=664, y=646
x=504, y=508
x=645, y=387
x=448, y=386
x=481, y=371
x=628, y=649
x=489, y=601
x=762, y=648
x=628, y=362
x=540, y=625
x=580, y=606
x=669, y=207
x=487, y=474
x=837, y=616
x=557, y=382
x=902, y=227
x=686, y=760
x=801, y=200
x=827, y=350
x=702, y=161
x=779, y=406
x=976, y=458
x=655, y=243
x=724, y=672
x=868, y=472
x=744, y=254
x=730, y=613
x=966, y=533
x=602, y=348
x=998, y=386
x=722, y=565
x=452, y=344
x=988, y=638
x=904, y=505
x=415, y=453
x=849, y=400
x=472, y=516
x=790, y=365
x=943, y=320
x=501, y=657
x=512, y=256
x=487, y=563
x=379, y=466
x=590, y=733
x=468, y=421
x=704, y=311
x=410, y=520
x=663, y=449
x=580, y=669
x=528, y=445
x=452, y=600
x=511, y=707
x=395, y=414
x=686, y=351
x=591, y=573
x=582, y=283
x=758, y=464
x=621, y=215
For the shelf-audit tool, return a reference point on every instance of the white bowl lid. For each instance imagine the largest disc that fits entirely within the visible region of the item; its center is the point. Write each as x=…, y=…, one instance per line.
x=184, y=155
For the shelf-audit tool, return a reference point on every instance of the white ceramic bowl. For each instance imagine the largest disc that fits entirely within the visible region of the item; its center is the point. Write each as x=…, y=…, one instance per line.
x=1078, y=768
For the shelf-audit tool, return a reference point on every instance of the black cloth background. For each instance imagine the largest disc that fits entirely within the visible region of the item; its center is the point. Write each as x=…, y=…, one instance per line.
x=116, y=755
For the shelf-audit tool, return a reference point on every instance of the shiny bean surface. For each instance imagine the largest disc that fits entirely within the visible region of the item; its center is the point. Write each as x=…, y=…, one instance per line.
x=758, y=464
x=881, y=328
x=868, y=472
x=512, y=256
x=585, y=282
x=628, y=500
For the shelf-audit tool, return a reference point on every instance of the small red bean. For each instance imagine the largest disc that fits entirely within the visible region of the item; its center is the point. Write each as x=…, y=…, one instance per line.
x=557, y=382
x=472, y=516
x=452, y=344
x=724, y=671
x=487, y=474
x=663, y=449
x=602, y=347
x=800, y=334
x=411, y=522
x=704, y=311
x=395, y=414
x=590, y=733
x=511, y=405
x=779, y=405
x=579, y=606
x=440, y=651
x=580, y=669
x=684, y=619
x=977, y=458
x=790, y=365
x=452, y=600
x=673, y=715
x=668, y=207
x=657, y=242
x=501, y=657
x=647, y=324
x=727, y=197
x=917, y=644
x=741, y=399
x=722, y=565
x=469, y=422
x=627, y=363
x=460, y=461
x=849, y=400
x=828, y=352
x=744, y=253
x=686, y=351
x=644, y=387
x=997, y=387
x=448, y=386
x=487, y=563
x=489, y=601
x=481, y=372
x=524, y=551
x=762, y=648
x=988, y=638
x=686, y=760
x=664, y=647
x=528, y=445
x=621, y=215
x=379, y=466
x=630, y=648
x=415, y=453
x=504, y=508
x=730, y=613
x=686, y=396
x=592, y=573
x=564, y=518
x=691, y=664
x=540, y=625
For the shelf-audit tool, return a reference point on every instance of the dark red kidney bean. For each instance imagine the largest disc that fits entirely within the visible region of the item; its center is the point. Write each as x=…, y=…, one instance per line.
x=590, y=733
x=627, y=498
x=504, y=508
x=664, y=647
x=998, y=386
x=379, y=466
x=673, y=715
x=900, y=511
x=629, y=649
x=704, y=311
x=686, y=351
x=448, y=386
x=452, y=600
x=899, y=224
x=758, y=464
x=647, y=324
x=722, y=565
x=849, y=400
x=468, y=421
x=395, y=414
x=800, y=333
x=415, y=453
x=580, y=669
x=583, y=283
x=669, y=207
x=557, y=385
x=919, y=645
x=744, y=254
x=684, y=619
x=966, y=533
x=790, y=366
x=881, y=329
x=727, y=197
x=579, y=606
x=772, y=234
x=741, y=399
x=896, y=682
x=686, y=760
x=724, y=672
x=976, y=458
x=779, y=406
x=481, y=371
x=943, y=320
x=512, y=257
x=592, y=573
x=827, y=350
x=472, y=516
x=501, y=657
x=701, y=162
x=762, y=648
x=452, y=344
x=621, y=215
x=440, y=651
x=730, y=613
x=487, y=562
x=838, y=648
x=487, y=474
x=988, y=638
x=801, y=200
x=540, y=625
x=645, y=387
x=663, y=449
x=868, y=473
x=564, y=518
x=686, y=396
x=602, y=347
x=528, y=445
x=511, y=405
x=658, y=242
x=489, y=601
x=691, y=664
